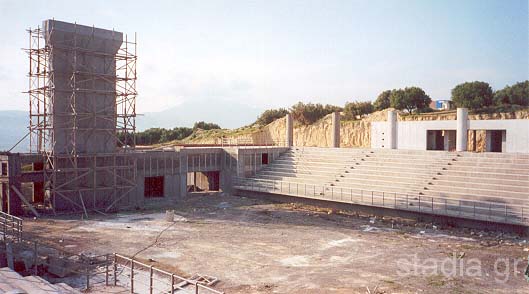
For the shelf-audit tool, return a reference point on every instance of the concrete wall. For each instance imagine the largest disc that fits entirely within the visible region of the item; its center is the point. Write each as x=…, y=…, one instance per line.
x=413, y=134
x=94, y=97
x=517, y=131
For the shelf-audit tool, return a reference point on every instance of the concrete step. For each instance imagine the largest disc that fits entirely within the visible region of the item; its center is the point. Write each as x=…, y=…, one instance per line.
x=354, y=179
x=471, y=193
x=30, y=284
x=399, y=163
x=312, y=180
x=40, y=284
x=498, y=201
x=498, y=170
x=481, y=179
x=67, y=288
x=298, y=173
x=487, y=164
x=514, y=186
x=309, y=163
x=484, y=174
x=494, y=155
x=396, y=168
x=411, y=172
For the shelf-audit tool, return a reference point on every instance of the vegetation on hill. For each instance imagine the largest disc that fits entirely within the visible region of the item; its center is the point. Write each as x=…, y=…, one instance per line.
x=477, y=96
x=154, y=136
x=517, y=94
x=270, y=115
x=355, y=110
x=309, y=113
x=472, y=95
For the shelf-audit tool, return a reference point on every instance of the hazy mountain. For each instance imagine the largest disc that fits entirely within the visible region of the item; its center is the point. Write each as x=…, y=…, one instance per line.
x=227, y=114
x=14, y=123
x=13, y=126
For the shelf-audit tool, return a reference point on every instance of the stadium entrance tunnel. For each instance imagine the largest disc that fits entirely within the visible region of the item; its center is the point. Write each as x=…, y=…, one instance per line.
x=203, y=181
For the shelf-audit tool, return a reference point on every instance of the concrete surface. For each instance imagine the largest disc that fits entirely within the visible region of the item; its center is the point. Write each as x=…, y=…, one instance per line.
x=254, y=246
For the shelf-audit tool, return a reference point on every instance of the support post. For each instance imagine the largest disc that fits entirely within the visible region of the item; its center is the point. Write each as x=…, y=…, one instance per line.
x=115, y=270
x=392, y=129
x=462, y=129
x=132, y=276
x=36, y=259
x=106, y=269
x=335, y=136
x=289, y=130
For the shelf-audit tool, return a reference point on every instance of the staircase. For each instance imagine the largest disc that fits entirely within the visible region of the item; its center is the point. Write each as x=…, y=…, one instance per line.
x=486, y=186
x=12, y=282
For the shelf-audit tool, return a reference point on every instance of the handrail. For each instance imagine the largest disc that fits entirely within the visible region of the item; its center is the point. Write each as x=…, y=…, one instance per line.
x=514, y=213
x=153, y=269
x=11, y=225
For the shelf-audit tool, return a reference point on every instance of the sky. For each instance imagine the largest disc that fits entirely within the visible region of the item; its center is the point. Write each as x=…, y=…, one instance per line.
x=270, y=54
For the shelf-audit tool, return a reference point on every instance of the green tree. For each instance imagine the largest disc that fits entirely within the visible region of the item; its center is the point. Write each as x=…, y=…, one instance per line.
x=205, y=126
x=411, y=98
x=270, y=115
x=473, y=95
x=382, y=102
x=517, y=94
x=352, y=110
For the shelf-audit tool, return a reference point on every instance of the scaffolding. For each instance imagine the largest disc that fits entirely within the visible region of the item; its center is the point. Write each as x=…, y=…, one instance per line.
x=62, y=124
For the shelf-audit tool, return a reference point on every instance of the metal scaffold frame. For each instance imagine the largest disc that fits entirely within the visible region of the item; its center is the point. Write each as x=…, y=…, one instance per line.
x=72, y=176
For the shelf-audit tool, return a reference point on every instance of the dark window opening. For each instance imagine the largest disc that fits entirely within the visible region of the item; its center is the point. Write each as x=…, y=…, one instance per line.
x=38, y=192
x=4, y=169
x=38, y=166
x=264, y=158
x=4, y=197
x=154, y=186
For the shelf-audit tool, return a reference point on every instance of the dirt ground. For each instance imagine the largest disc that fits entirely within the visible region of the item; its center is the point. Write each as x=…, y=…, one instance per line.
x=255, y=246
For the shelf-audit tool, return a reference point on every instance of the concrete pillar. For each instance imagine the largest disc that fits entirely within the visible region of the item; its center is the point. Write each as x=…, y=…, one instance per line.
x=392, y=129
x=335, y=136
x=462, y=129
x=289, y=131
x=183, y=174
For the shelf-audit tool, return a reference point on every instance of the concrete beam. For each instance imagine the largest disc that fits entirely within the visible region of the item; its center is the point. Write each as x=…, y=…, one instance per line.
x=462, y=129
x=335, y=136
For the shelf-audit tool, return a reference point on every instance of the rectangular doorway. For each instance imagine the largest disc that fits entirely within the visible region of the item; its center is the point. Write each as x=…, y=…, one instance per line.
x=203, y=181
x=496, y=140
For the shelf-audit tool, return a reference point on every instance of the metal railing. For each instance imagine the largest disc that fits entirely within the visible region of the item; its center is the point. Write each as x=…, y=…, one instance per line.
x=152, y=279
x=11, y=226
x=247, y=141
x=447, y=206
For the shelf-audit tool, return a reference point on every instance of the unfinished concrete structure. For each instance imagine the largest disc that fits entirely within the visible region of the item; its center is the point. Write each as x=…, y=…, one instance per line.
x=82, y=124
x=82, y=94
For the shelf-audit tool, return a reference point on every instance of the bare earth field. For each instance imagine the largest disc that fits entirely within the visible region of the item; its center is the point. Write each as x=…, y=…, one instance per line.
x=255, y=246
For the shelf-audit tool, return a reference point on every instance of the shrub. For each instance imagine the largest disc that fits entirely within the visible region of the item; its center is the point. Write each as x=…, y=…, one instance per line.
x=270, y=115
x=310, y=113
x=352, y=110
x=161, y=135
x=205, y=126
